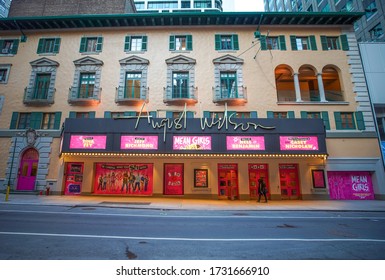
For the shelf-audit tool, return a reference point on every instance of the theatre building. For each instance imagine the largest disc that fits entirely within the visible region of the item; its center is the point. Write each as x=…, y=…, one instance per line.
x=187, y=105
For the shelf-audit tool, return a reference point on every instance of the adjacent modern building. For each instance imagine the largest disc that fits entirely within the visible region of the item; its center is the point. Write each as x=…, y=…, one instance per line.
x=166, y=6
x=4, y=8
x=368, y=28
x=189, y=105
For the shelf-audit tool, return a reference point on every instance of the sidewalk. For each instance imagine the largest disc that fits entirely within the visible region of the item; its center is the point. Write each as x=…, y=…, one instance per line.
x=193, y=204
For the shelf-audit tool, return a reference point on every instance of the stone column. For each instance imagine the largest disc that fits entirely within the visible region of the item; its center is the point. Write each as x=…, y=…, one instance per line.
x=321, y=87
x=297, y=88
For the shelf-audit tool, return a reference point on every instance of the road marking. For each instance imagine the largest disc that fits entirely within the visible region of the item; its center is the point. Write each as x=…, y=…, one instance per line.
x=194, y=239
x=162, y=214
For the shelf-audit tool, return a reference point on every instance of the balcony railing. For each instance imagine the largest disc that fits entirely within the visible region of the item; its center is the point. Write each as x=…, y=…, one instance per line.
x=131, y=95
x=176, y=95
x=38, y=97
x=90, y=97
x=235, y=95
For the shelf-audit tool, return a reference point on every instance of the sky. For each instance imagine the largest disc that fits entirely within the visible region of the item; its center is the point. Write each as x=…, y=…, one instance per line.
x=243, y=5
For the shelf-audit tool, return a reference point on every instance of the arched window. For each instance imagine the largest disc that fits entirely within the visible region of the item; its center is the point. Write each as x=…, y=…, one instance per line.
x=285, y=83
x=332, y=84
x=308, y=84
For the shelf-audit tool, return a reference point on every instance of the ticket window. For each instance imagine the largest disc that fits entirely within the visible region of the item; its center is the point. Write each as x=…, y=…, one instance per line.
x=257, y=171
x=228, y=181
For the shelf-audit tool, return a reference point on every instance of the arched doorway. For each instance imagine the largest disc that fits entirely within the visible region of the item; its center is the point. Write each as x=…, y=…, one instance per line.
x=28, y=170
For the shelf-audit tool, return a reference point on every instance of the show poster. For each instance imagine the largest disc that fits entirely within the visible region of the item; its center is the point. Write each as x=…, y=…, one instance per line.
x=298, y=143
x=346, y=185
x=88, y=142
x=191, y=143
x=124, y=178
x=173, y=179
x=128, y=142
x=245, y=143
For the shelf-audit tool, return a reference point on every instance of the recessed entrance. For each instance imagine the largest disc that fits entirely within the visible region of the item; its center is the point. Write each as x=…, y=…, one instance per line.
x=28, y=170
x=289, y=181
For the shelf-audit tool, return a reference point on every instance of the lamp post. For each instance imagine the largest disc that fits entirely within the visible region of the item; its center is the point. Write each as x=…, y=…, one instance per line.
x=10, y=172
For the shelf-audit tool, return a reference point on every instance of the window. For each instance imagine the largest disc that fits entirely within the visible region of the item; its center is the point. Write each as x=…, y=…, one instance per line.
x=48, y=45
x=36, y=120
x=4, y=73
x=308, y=84
x=132, y=86
x=376, y=32
x=280, y=115
x=185, y=4
x=229, y=85
x=202, y=4
x=317, y=115
x=226, y=42
x=303, y=43
x=42, y=86
x=91, y=44
x=284, y=81
x=87, y=85
x=370, y=8
x=82, y=115
x=349, y=120
x=135, y=43
x=180, y=82
x=335, y=43
x=273, y=42
x=9, y=46
x=180, y=43
x=332, y=85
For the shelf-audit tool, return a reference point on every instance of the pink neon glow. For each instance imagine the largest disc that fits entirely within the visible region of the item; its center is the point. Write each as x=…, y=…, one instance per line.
x=88, y=142
x=139, y=142
x=348, y=185
x=298, y=143
x=245, y=143
x=191, y=143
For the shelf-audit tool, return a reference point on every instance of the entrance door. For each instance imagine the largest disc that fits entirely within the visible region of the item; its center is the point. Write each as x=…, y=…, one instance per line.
x=257, y=171
x=228, y=181
x=28, y=170
x=289, y=180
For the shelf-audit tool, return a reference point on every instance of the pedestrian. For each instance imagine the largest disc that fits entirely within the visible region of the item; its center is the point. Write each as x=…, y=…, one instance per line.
x=262, y=190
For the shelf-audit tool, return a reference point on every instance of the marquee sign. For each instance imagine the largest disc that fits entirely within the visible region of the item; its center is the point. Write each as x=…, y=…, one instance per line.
x=191, y=143
x=138, y=142
x=245, y=143
x=298, y=143
x=88, y=142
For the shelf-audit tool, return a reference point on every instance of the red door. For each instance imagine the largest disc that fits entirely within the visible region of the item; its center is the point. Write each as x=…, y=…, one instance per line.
x=228, y=181
x=289, y=180
x=28, y=170
x=257, y=171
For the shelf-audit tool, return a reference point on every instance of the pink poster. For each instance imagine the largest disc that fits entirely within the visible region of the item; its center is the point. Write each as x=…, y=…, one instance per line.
x=245, y=143
x=173, y=178
x=139, y=142
x=354, y=185
x=298, y=143
x=123, y=178
x=191, y=143
x=88, y=142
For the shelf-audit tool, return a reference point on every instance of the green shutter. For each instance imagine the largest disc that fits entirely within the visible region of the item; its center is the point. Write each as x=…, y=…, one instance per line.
x=40, y=45
x=253, y=115
x=129, y=113
x=169, y=114
x=144, y=43
x=15, y=46
x=57, y=121
x=282, y=43
x=15, y=117
x=190, y=115
x=107, y=114
x=127, y=44
x=217, y=42
x=36, y=119
x=235, y=42
x=72, y=115
x=303, y=114
x=293, y=43
x=313, y=44
x=189, y=43
x=83, y=45
x=152, y=114
x=91, y=114
x=172, y=43
x=206, y=114
x=56, y=46
x=232, y=114
x=263, y=43
x=325, y=118
x=270, y=114
x=324, y=43
x=360, y=120
x=338, y=120
x=344, y=42
x=290, y=115
x=99, y=44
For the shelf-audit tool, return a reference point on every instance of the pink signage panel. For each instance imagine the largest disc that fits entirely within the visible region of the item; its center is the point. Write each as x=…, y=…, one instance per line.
x=138, y=142
x=88, y=142
x=298, y=143
x=191, y=143
x=350, y=185
x=245, y=143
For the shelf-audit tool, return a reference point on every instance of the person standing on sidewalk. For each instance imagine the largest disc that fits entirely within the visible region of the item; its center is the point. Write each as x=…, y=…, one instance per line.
x=262, y=190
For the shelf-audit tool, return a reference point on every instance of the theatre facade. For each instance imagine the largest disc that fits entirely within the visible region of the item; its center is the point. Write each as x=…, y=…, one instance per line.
x=187, y=105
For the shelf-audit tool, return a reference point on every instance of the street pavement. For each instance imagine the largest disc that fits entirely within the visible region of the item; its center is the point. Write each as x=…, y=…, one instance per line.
x=193, y=204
